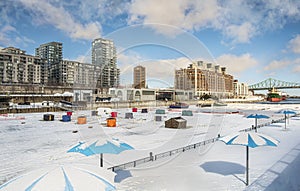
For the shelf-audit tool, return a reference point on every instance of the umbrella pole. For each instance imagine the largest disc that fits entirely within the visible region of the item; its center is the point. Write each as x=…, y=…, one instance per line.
x=284, y=121
x=255, y=125
x=247, y=166
x=101, y=160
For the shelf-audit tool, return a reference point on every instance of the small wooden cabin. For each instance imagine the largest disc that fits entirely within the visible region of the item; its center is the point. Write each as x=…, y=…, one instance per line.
x=176, y=122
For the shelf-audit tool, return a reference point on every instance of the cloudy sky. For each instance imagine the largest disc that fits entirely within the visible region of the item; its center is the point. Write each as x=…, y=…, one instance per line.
x=254, y=39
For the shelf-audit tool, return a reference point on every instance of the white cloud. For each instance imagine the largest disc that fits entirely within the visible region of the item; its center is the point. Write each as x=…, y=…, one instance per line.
x=84, y=58
x=157, y=70
x=294, y=44
x=126, y=61
x=277, y=64
x=296, y=69
x=241, y=33
x=239, y=21
x=236, y=64
x=4, y=31
x=9, y=36
x=46, y=13
x=163, y=70
x=104, y=11
x=188, y=15
x=296, y=64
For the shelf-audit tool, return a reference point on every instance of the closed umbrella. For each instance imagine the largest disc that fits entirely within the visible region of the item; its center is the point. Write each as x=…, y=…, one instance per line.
x=257, y=116
x=249, y=139
x=114, y=146
x=286, y=112
x=64, y=177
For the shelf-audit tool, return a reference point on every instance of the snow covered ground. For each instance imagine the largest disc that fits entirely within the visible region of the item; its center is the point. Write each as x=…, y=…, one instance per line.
x=32, y=143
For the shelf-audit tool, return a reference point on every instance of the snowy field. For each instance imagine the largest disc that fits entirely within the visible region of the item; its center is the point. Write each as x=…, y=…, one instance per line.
x=32, y=143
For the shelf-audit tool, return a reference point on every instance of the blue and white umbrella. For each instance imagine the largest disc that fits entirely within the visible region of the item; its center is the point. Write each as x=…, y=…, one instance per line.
x=257, y=116
x=66, y=177
x=249, y=139
x=114, y=146
x=286, y=112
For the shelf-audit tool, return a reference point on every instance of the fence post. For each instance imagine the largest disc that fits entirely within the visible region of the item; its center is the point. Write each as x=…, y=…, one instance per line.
x=151, y=156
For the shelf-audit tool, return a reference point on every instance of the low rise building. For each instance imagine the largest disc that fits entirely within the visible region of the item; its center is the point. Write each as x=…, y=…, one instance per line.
x=240, y=89
x=171, y=94
x=132, y=94
x=205, y=78
x=16, y=67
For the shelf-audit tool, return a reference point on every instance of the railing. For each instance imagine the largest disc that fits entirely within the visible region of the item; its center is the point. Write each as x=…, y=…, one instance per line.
x=183, y=149
x=161, y=155
x=131, y=164
x=151, y=158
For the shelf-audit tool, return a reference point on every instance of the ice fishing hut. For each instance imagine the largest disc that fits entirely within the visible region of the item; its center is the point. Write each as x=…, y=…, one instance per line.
x=128, y=115
x=176, y=122
x=160, y=111
x=111, y=122
x=157, y=118
x=94, y=113
x=66, y=118
x=81, y=120
x=114, y=114
x=48, y=117
x=187, y=113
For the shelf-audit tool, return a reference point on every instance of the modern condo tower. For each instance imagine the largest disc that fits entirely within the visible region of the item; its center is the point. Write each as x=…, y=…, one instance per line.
x=104, y=55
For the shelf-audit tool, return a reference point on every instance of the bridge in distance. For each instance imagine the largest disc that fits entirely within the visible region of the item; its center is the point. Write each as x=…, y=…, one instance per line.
x=271, y=83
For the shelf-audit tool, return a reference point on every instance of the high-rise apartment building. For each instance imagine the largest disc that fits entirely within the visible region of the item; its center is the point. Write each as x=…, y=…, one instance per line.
x=104, y=55
x=16, y=67
x=103, y=52
x=52, y=52
x=139, y=77
x=205, y=78
x=76, y=74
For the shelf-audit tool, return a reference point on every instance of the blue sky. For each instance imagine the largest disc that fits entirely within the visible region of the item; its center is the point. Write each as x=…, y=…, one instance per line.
x=255, y=40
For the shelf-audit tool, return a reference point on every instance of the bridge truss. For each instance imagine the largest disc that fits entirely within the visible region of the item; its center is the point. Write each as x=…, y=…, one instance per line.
x=271, y=83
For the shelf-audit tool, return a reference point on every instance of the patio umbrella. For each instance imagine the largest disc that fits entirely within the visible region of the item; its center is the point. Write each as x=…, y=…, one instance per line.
x=66, y=177
x=257, y=116
x=249, y=139
x=286, y=112
x=114, y=146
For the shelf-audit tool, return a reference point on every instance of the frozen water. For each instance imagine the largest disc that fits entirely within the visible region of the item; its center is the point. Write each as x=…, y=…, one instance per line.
x=36, y=143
